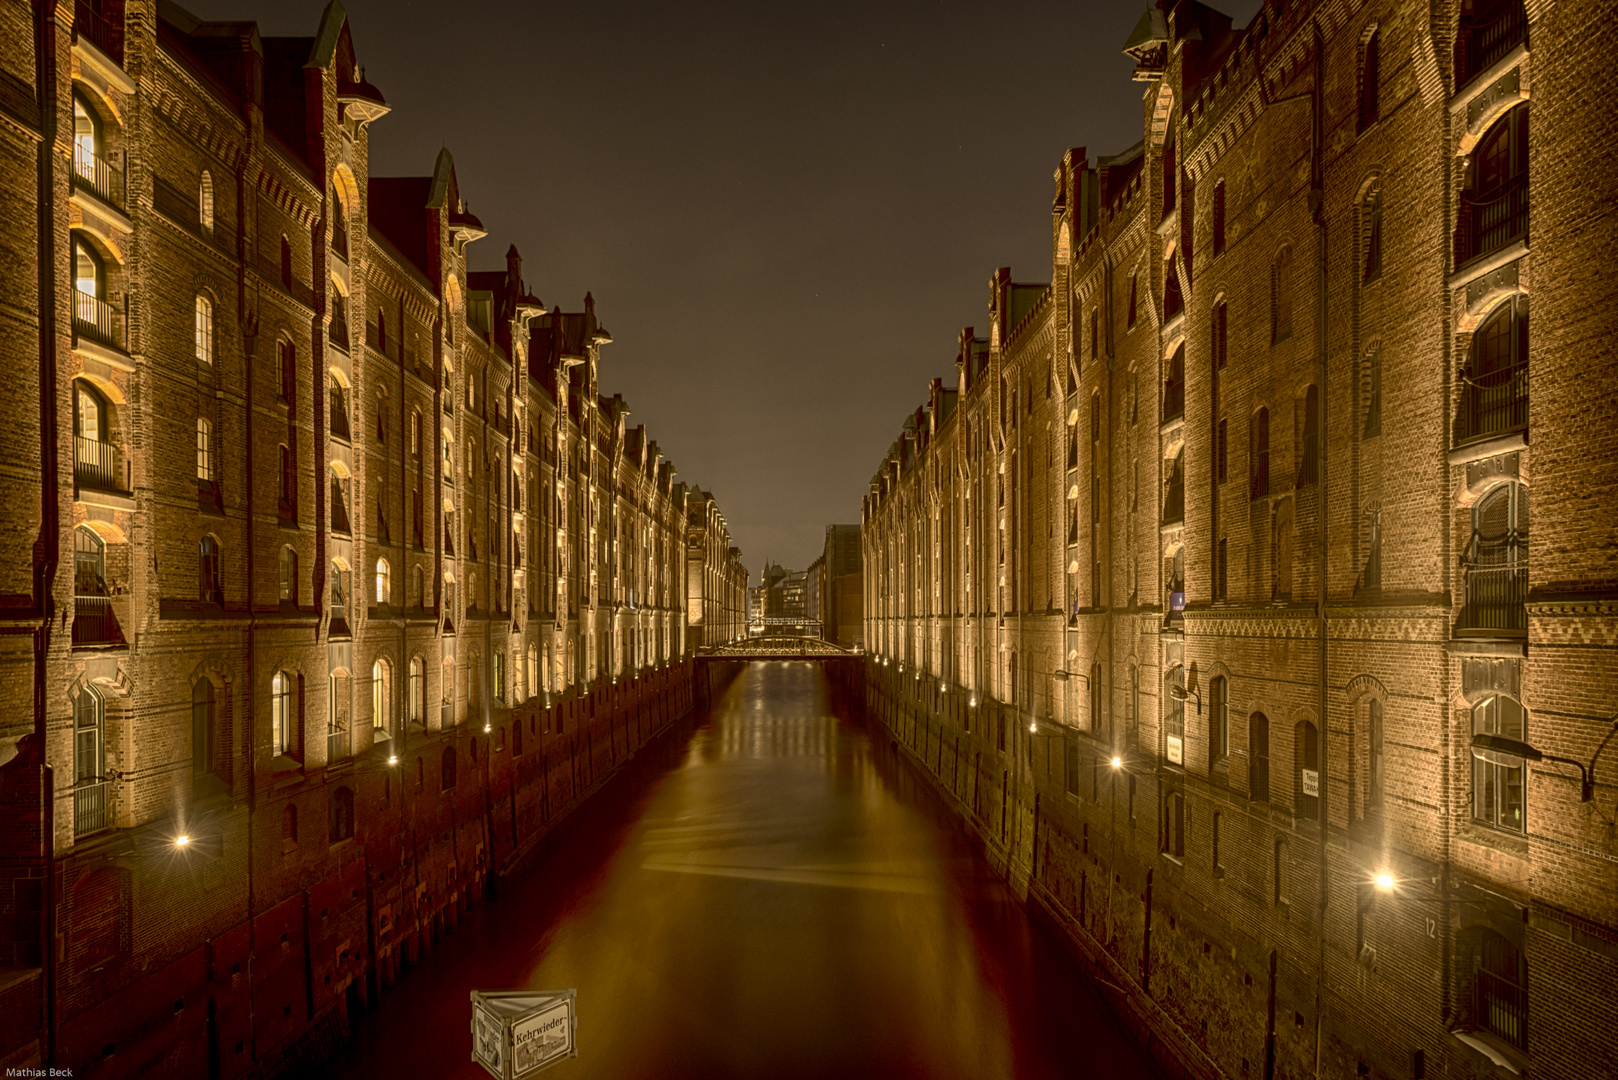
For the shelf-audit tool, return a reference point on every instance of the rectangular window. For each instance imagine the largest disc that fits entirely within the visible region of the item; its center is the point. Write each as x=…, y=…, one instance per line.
x=1373, y=235
x=499, y=676
x=1221, y=586
x=1370, y=79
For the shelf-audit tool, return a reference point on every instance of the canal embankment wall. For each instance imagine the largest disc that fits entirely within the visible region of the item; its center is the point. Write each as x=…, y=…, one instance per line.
x=1095, y=895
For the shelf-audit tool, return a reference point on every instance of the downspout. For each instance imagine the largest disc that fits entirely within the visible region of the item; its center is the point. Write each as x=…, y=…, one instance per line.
x=1317, y=207
x=249, y=350
x=46, y=37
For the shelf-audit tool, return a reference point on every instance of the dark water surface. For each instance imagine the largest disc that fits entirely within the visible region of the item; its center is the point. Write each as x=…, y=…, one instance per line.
x=775, y=897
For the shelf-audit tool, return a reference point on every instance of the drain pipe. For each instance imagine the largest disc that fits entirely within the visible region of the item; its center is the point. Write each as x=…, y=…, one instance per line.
x=1317, y=207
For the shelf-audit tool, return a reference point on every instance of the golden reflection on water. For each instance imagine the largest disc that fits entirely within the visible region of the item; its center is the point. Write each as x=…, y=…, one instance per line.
x=779, y=904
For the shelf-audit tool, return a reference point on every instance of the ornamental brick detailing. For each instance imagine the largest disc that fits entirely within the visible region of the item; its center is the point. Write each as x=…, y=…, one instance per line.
x=327, y=554
x=1241, y=502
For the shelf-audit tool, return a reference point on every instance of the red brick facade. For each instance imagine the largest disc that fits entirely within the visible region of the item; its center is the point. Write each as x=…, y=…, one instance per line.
x=1268, y=436
x=335, y=581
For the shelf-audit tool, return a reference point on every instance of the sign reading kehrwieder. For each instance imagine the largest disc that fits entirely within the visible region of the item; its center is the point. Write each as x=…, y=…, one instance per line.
x=517, y=1033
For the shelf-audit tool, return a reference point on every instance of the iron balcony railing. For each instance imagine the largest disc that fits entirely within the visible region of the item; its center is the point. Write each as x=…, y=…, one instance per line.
x=1493, y=403
x=90, y=23
x=1501, y=1006
x=94, y=622
x=95, y=464
x=1496, y=574
x=1491, y=222
x=1487, y=35
x=89, y=807
x=98, y=175
x=95, y=319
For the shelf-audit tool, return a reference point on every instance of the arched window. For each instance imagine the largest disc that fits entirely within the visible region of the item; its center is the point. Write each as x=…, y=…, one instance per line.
x=384, y=582
x=339, y=224
x=342, y=814
x=1499, y=985
x=1218, y=719
x=286, y=261
x=1258, y=758
x=89, y=563
x=1498, y=795
x=1174, y=715
x=1258, y=454
x=1306, y=771
x=89, y=278
x=87, y=146
x=209, y=589
x=418, y=586
x=1494, y=387
x=1174, y=387
x=381, y=698
x=1496, y=564
x=416, y=692
x=1494, y=201
x=203, y=704
x=1219, y=218
x=1173, y=299
x=1281, y=296
x=90, y=803
x=1373, y=756
x=1174, y=500
x=1370, y=79
x=381, y=330
x=382, y=416
x=289, y=574
x=1309, y=442
x=339, y=594
x=204, y=329
x=204, y=450
x=340, y=521
x=1281, y=551
x=90, y=412
x=1134, y=279
x=415, y=432
x=205, y=202
x=1174, y=823
x=289, y=828
x=1371, y=232
x=282, y=737
x=447, y=779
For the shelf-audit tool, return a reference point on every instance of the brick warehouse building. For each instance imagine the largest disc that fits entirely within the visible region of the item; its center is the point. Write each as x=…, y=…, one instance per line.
x=428, y=588
x=1239, y=500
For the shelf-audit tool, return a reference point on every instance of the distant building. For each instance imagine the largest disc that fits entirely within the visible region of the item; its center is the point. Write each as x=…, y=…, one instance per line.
x=840, y=603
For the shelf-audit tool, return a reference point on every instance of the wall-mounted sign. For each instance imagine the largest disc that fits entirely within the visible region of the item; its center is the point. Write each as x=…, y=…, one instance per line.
x=521, y=1032
x=1311, y=782
x=1176, y=749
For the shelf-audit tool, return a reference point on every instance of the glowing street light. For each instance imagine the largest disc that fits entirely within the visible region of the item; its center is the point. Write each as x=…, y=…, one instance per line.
x=1384, y=881
x=181, y=840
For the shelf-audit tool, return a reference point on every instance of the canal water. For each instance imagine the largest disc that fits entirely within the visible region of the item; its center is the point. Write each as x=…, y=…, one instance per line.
x=772, y=896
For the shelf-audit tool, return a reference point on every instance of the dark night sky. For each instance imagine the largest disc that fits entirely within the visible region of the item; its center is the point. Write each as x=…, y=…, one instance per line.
x=785, y=213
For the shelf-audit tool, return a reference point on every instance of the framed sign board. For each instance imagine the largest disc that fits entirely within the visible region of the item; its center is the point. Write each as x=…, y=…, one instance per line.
x=518, y=1033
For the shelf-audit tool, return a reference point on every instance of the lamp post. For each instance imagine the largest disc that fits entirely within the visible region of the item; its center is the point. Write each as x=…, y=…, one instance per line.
x=1511, y=753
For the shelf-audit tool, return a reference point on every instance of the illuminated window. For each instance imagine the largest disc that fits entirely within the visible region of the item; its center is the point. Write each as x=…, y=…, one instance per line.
x=281, y=720
x=204, y=328
x=384, y=586
x=205, y=202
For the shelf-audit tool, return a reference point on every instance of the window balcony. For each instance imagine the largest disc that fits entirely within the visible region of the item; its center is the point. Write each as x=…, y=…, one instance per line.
x=1492, y=222
x=94, y=622
x=1496, y=591
x=96, y=320
x=95, y=174
x=91, y=809
x=1487, y=35
x=95, y=465
x=1493, y=404
x=96, y=28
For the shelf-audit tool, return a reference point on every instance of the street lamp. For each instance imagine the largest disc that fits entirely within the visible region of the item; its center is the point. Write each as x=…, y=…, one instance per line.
x=1511, y=753
x=1180, y=693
